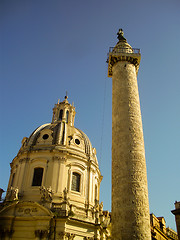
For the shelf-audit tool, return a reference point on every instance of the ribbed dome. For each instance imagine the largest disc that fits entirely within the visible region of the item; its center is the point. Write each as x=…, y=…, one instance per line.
x=57, y=136
x=40, y=137
x=60, y=134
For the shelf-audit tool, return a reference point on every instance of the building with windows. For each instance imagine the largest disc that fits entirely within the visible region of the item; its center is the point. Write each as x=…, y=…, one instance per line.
x=159, y=231
x=53, y=190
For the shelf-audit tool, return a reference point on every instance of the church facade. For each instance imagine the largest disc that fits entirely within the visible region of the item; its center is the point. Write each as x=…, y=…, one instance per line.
x=53, y=190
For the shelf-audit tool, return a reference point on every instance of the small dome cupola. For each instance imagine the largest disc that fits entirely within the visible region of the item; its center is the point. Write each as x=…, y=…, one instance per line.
x=64, y=112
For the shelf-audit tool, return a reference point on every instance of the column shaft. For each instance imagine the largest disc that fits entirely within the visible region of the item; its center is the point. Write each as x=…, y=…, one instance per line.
x=130, y=207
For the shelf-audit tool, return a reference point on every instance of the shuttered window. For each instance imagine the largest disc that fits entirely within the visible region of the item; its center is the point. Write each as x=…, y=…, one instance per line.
x=75, y=185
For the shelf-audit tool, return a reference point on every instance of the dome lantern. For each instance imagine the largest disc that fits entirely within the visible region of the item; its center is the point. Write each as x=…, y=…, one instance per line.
x=64, y=112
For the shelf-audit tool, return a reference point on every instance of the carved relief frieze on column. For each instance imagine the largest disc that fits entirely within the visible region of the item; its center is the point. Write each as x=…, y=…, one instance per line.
x=130, y=205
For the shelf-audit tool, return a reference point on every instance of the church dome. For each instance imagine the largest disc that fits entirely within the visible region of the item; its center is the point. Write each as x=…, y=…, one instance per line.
x=54, y=135
x=60, y=134
x=57, y=163
x=55, y=180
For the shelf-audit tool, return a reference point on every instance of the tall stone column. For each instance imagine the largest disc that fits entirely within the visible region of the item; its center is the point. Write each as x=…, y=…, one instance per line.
x=130, y=206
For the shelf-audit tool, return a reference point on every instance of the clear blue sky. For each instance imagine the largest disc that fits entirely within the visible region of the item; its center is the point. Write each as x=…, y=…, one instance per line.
x=50, y=47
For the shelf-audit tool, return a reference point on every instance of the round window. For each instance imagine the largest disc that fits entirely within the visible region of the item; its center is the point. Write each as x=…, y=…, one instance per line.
x=45, y=136
x=77, y=141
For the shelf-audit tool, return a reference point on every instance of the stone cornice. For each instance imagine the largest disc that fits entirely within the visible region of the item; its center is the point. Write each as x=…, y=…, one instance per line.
x=133, y=58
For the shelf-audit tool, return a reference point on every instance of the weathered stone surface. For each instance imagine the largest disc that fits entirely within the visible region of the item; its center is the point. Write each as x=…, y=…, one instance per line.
x=130, y=207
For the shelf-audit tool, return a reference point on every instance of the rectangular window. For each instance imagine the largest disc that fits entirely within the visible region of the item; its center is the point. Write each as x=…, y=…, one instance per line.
x=37, y=178
x=75, y=185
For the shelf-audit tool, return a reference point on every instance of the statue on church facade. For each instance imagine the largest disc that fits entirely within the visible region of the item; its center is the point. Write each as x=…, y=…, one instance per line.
x=46, y=194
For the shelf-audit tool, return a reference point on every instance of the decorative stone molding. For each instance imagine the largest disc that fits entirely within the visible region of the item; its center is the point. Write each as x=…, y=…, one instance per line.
x=24, y=160
x=70, y=236
x=89, y=238
x=130, y=59
x=62, y=159
x=66, y=236
x=56, y=158
x=27, y=210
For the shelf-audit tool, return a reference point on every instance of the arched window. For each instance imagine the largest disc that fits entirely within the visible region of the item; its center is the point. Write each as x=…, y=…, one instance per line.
x=75, y=185
x=37, y=177
x=67, y=115
x=60, y=114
